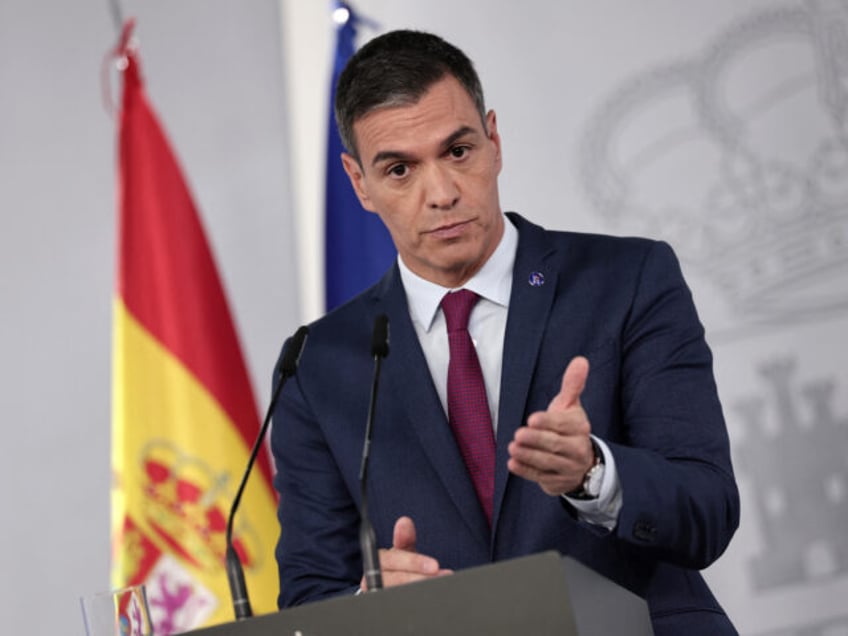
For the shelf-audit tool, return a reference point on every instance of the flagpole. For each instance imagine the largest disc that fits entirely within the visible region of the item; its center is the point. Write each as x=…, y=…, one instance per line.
x=117, y=12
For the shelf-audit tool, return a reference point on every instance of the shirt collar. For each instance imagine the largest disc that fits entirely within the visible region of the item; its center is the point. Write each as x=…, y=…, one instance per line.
x=493, y=282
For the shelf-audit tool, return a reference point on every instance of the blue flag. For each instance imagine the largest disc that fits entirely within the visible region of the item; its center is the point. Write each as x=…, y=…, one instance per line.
x=358, y=248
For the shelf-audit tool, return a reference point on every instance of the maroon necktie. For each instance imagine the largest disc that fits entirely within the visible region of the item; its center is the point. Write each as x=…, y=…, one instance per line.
x=468, y=409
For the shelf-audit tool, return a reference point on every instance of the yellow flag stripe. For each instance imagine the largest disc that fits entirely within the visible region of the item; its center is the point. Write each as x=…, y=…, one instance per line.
x=177, y=459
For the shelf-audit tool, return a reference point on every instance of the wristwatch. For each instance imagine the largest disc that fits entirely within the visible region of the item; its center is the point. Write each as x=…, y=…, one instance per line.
x=591, y=486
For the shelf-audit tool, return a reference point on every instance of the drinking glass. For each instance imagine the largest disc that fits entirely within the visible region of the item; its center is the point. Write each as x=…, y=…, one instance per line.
x=122, y=612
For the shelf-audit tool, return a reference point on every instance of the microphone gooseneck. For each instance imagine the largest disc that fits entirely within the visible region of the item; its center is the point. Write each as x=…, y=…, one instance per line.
x=368, y=544
x=235, y=571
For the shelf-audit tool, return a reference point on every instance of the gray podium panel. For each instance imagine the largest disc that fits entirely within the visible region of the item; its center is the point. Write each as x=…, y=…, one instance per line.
x=539, y=594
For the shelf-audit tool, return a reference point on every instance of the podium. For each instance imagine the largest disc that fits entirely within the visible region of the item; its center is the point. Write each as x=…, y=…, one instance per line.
x=540, y=594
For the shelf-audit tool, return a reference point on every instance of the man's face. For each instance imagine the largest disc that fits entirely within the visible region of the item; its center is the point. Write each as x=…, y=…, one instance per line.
x=429, y=170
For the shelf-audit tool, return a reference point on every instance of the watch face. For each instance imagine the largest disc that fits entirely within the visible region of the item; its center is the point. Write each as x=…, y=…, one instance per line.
x=594, y=479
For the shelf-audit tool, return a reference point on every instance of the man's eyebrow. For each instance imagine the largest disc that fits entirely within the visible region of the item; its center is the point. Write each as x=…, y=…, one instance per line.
x=389, y=155
x=457, y=135
x=396, y=155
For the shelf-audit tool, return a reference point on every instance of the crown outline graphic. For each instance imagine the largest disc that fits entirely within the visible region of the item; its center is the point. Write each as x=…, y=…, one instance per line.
x=687, y=153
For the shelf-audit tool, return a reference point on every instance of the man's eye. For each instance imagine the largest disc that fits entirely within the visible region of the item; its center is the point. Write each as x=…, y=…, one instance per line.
x=398, y=170
x=458, y=152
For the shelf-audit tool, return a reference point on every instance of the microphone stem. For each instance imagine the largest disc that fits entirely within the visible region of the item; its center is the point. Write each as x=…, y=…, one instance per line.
x=234, y=567
x=369, y=425
x=235, y=570
x=367, y=540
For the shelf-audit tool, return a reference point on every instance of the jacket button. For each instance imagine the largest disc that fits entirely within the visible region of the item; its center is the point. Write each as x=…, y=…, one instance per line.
x=645, y=531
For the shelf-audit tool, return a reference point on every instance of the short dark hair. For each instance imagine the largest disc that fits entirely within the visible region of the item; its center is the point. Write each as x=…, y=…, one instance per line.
x=396, y=69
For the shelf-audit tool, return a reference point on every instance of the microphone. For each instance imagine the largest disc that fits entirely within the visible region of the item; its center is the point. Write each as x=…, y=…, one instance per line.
x=235, y=572
x=367, y=541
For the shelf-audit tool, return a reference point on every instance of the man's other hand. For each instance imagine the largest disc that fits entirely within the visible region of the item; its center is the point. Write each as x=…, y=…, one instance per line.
x=555, y=449
x=401, y=563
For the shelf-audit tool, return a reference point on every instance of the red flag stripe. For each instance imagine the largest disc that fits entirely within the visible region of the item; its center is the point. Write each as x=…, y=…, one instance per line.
x=166, y=275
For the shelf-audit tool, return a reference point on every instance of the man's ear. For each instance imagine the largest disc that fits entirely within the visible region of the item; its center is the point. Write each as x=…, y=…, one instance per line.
x=494, y=137
x=357, y=179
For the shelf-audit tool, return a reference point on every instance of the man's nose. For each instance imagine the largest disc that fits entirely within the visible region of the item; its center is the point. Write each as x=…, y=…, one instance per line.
x=442, y=191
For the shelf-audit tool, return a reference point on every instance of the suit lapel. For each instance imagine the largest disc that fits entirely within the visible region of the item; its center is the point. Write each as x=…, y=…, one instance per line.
x=408, y=379
x=534, y=283
x=409, y=376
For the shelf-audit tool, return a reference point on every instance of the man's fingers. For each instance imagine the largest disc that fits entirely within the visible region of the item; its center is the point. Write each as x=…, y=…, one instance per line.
x=573, y=383
x=403, y=537
x=544, y=461
x=401, y=566
x=553, y=449
x=395, y=560
x=401, y=563
x=391, y=579
x=551, y=483
x=402, y=558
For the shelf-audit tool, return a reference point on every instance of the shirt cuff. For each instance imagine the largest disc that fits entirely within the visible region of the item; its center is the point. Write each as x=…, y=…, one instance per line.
x=604, y=510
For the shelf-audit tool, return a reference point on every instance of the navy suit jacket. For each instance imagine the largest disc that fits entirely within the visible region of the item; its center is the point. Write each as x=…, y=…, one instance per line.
x=650, y=395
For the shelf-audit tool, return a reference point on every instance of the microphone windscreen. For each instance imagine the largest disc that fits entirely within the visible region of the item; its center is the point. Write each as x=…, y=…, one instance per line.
x=292, y=353
x=380, y=337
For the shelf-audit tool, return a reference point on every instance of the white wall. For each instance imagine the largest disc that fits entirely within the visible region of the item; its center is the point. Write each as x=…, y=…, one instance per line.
x=215, y=75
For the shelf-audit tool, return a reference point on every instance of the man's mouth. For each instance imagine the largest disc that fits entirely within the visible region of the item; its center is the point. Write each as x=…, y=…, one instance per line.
x=450, y=230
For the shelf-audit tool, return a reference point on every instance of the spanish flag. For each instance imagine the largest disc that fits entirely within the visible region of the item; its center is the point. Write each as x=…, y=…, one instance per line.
x=183, y=415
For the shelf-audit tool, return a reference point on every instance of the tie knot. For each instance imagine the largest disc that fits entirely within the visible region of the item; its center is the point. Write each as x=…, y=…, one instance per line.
x=457, y=307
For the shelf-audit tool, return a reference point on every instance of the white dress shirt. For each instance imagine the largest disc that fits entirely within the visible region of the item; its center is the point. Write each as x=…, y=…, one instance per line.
x=487, y=326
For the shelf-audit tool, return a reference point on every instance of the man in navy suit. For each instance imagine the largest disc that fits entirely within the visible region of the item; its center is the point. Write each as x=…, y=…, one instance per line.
x=609, y=443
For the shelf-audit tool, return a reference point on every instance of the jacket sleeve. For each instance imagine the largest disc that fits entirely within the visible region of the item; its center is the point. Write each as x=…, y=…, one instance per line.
x=318, y=550
x=680, y=500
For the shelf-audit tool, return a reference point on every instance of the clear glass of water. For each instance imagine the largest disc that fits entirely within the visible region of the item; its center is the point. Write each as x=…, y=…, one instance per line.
x=122, y=612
